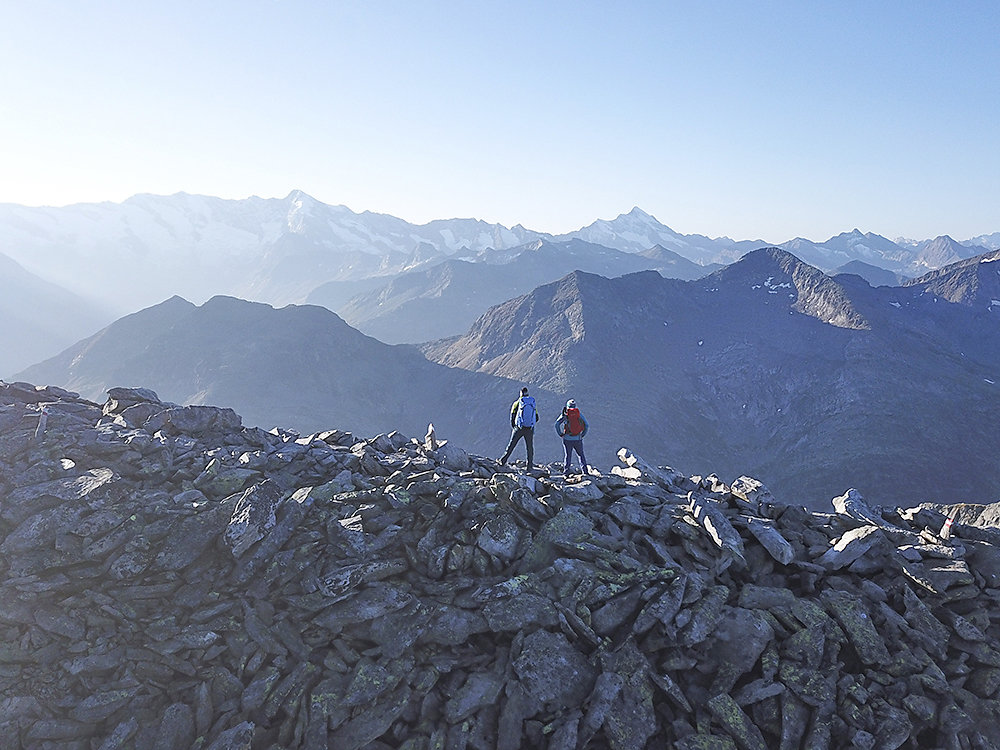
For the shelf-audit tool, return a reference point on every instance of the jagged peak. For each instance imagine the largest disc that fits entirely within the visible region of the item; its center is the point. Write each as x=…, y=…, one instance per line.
x=635, y=217
x=296, y=196
x=942, y=239
x=815, y=293
x=767, y=256
x=854, y=234
x=176, y=300
x=638, y=213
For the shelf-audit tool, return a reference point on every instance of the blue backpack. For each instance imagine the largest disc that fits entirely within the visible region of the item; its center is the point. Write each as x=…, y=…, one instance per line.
x=526, y=412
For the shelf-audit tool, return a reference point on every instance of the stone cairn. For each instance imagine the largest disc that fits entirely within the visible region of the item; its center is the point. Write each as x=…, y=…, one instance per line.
x=172, y=579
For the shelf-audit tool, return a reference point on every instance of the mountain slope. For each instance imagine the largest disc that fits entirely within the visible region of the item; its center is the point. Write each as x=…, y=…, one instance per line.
x=675, y=266
x=943, y=251
x=445, y=299
x=768, y=366
x=637, y=231
x=974, y=282
x=874, y=275
x=38, y=318
x=300, y=366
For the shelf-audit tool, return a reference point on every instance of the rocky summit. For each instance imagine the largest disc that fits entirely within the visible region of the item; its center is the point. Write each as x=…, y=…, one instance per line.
x=172, y=579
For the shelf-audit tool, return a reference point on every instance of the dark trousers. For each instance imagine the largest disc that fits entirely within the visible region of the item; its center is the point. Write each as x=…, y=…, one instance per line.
x=574, y=445
x=528, y=433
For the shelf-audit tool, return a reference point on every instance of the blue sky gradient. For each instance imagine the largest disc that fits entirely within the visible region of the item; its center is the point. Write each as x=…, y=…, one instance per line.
x=764, y=120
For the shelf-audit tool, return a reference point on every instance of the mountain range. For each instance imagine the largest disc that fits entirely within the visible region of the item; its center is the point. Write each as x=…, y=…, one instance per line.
x=39, y=318
x=698, y=351
x=298, y=366
x=279, y=250
x=376, y=271
x=767, y=366
x=444, y=299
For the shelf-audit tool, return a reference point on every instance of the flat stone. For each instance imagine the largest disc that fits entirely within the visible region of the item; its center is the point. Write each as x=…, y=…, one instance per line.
x=500, y=536
x=551, y=671
x=239, y=737
x=254, y=514
x=97, y=707
x=740, y=727
x=452, y=626
x=752, y=493
x=176, y=730
x=854, y=617
x=525, y=611
x=481, y=689
x=852, y=545
x=771, y=539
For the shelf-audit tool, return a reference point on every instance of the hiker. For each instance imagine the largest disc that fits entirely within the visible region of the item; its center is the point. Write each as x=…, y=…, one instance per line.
x=522, y=424
x=572, y=427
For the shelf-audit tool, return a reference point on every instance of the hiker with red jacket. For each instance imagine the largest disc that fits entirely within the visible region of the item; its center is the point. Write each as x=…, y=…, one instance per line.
x=572, y=427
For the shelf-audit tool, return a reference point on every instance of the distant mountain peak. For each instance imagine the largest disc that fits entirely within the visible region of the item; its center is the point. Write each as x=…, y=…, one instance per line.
x=638, y=213
x=854, y=234
x=301, y=207
x=638, y=216
x=632, y=232
x=969, y=281
x=297, y=195
x=760, y=263
x=811, y=291
x=767, y=257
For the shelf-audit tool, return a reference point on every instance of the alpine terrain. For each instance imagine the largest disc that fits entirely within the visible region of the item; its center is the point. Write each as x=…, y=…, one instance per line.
x=39, y=318
x=770, y=366
x=175, y=579
x=300, y=367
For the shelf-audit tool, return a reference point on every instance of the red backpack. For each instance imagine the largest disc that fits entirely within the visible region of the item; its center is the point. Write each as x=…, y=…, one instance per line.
x=575, y=423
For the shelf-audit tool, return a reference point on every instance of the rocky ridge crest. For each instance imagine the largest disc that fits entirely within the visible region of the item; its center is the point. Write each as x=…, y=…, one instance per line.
x=172, y=579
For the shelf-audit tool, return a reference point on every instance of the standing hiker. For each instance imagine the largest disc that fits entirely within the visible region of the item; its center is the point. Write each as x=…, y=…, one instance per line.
x=522, y=424
x=572, y=427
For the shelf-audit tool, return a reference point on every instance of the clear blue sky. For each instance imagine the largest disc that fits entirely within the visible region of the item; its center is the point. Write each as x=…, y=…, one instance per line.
x=749, y=119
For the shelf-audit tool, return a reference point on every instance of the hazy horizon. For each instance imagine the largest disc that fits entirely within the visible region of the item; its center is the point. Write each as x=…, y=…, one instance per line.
x=362, y=210
x=772, y=121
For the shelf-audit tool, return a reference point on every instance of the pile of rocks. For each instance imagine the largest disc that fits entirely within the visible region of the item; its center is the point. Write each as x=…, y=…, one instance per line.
x=174, y=580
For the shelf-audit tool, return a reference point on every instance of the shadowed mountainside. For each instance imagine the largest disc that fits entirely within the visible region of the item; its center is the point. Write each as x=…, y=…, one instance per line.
x=300, y=366
x=39, y=318
x=768, y=365
x=445, y=299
